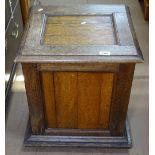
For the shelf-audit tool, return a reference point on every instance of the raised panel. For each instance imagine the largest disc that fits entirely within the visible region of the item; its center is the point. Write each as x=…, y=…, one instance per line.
x=77, y=100
x=88, y=100
x=94, y=99
x=65, y=84
x=79, y=30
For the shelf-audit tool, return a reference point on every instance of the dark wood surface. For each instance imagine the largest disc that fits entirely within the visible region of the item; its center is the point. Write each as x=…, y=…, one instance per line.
x=77, y=99
x=105, y=67
x=138, y=108
x=72, y=141
x=65, y=84
x=49, y=98
x=105, y=102
x=123, y=46
x=81, y=30
x=145, y=7
x=93, y=100
x=76, y=132
x=84, y=100
x=25, y=6
x=121, y=94
x=146, y=10
x=34, y=97
x=75, y=82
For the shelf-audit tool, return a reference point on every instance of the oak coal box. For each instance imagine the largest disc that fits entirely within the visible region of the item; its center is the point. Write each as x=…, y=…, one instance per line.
x=78, y=63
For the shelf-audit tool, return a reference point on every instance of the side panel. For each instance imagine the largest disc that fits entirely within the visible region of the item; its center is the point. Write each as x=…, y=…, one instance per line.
x=34, y=97
x=120, y=100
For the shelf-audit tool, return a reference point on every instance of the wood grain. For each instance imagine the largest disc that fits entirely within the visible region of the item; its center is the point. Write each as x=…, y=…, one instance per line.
x=123, y=32
x=88, y=100
x=65, y=84
x=74, y=30
x=82, y=9
x=81, y=49
x=77, y=99
x=120, y=99
x=25, y=5
x=105, y=103
x=77, y=132
x=34, y=97
x=93, y=104
x=146, y=10
x=49, y=99
x=78, y=67
x=76, y=141
x=82, y=87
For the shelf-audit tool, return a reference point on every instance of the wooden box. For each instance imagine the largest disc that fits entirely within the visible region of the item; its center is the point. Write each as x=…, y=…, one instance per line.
x=78, y=65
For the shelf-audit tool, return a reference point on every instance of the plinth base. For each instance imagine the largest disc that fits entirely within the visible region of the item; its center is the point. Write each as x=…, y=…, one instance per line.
x=124, y=141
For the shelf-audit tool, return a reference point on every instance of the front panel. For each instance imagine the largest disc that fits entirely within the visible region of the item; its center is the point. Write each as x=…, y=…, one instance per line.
x=77, y=100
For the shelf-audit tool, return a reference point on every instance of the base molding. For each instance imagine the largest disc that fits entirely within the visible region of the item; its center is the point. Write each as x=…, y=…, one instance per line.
x=124, y=141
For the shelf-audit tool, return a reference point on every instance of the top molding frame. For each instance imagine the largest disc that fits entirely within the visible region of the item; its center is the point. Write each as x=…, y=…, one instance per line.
x=125, y=50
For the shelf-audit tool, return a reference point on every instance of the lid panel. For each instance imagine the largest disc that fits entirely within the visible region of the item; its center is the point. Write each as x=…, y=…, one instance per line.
x=103, y=33
x=79, y=30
